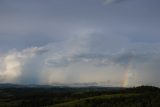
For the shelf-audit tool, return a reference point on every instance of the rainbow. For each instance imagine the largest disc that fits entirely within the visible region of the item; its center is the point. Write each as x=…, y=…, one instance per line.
x=125, y=80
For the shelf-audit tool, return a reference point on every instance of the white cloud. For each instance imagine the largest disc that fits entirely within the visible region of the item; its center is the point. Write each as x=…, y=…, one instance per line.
x=14, y=61
x=12, y=68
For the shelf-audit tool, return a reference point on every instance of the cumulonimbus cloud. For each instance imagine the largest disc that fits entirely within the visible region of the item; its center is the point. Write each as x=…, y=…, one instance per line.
x=13, y=63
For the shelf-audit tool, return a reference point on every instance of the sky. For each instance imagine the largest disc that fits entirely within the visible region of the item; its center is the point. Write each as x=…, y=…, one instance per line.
x=94, y=42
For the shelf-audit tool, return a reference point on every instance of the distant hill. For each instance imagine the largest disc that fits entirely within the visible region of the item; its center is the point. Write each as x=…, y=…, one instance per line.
x=10, y=86
x=69, y=86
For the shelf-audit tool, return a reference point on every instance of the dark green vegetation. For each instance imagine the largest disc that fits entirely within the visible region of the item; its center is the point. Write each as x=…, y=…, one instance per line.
x=45, y=96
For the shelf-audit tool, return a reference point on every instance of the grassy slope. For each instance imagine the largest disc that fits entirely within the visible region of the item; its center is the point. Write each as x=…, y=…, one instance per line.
x=115, y=100
x=96, y=99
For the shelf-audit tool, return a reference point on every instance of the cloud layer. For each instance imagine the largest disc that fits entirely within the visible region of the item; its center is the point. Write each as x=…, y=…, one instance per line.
x=79, y=41
x=112, y=1
x=74, y=61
